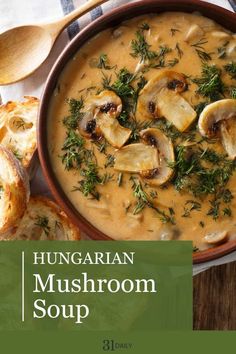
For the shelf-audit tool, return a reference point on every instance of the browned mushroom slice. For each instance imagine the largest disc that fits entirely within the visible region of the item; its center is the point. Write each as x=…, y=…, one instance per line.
x=213, y=238
x=194, y=32
x=163, y=144
x=106, y=102
x=100, y=118
x=219, y=119
x=113, y=132
x=136, y=158
x=161, y=98
x=228, y=135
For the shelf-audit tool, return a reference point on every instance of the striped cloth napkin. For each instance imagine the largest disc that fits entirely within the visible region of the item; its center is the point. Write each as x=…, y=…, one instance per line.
x=14, y=12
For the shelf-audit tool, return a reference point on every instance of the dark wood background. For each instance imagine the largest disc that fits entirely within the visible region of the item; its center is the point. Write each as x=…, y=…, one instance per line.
x=214, y=298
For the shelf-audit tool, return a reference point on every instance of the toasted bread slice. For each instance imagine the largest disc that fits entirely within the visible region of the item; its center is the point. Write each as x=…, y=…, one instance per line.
x=14, y=190
x=44, y=220
x=18, y=128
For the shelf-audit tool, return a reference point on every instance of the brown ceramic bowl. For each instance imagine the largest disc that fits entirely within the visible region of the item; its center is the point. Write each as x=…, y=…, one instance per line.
x=113, y=18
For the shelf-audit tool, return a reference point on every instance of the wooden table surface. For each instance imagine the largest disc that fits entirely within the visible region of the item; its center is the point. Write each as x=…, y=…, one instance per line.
x=214, y=298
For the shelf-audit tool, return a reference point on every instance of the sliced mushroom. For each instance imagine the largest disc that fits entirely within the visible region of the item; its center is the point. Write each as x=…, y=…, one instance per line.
x=215, y=237
x=169, y=232
x=88, y=126
x=221, y=35
x=106, y=102
x=219, y=119
x=161, y=98
x=100, y=118
x=163, y=144
x=136, y=158
x=113, y=132
x=150, y=158
x=194, y=32
x=231, y=49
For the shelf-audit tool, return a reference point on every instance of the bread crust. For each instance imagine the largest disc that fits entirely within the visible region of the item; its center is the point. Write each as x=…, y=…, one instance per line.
x=15, y=190
x=44, y=220
x=18, y=122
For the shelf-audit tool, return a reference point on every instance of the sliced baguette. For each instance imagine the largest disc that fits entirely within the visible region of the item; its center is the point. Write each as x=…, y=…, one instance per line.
x=44, y=220
x=18, y=128
x=14, y=190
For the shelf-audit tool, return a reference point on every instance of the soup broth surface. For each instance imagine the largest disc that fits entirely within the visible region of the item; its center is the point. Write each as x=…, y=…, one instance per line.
x=124, y=205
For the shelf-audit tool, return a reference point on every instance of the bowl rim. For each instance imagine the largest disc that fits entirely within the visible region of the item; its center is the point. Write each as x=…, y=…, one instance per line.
x=107, y=20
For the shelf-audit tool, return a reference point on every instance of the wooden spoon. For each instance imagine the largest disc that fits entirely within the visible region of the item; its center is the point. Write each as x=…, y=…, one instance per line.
x=23, y=49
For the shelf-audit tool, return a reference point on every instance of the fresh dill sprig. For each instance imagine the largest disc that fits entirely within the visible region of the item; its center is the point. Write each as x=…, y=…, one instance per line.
x=172, y=132
x=204, y=56
x=120, y=179
x=144, y=200
x=174, y=31
x=75, y=107
x=200, y=50
x=231, y=69
x=127, y=86
x=73, y=149
x=222, y=50
x=210, y=83
x=233, y=92
x=195, y=249
x=191, y=205
x=101, y=145
x=179, y=50
x=191, y=174
x=200, y=107
x=140, y=47
x=102, y=62
x=90, y=180
x=172, y=62
x=123, y=88
x=17, y=155
x=43, y=223
x=199, y=44
x=110, y=160
x=136, y=126
x=144, y=26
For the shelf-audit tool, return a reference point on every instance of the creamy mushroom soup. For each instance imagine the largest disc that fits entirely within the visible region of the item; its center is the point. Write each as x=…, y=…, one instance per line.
x=142, y=130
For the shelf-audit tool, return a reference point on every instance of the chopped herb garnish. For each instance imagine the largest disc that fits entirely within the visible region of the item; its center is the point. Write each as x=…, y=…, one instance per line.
x=179, y=50
x=200, y=107
x=233, y=92
x=90, y=181
x=127, y=86
x=102, y=62
x=144, y=200
x=231, y=69
x=202, y=224
x=199, y=44
x=191, y=205
x=101, y=145
x=74, y=152
x=17, y=155
x=43, y=223
x=172, y=62
x=210, y=83
x=173, y=31
x=191, y=174
x=120, y=179
x=222, y=50
x=227, y=211
x=204, y=56
x=140, y=47
x=75, y=107
x=144, y=26
x=109, y=161
x=195, y=249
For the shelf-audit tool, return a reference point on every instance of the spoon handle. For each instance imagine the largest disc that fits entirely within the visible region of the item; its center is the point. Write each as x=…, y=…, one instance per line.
x=57, y=26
